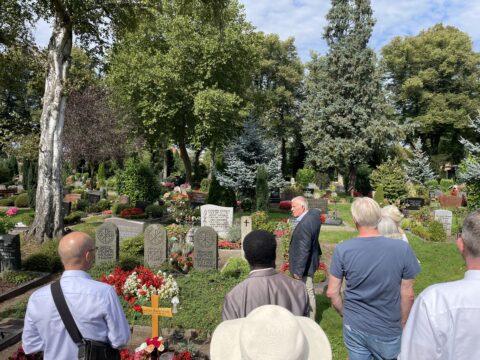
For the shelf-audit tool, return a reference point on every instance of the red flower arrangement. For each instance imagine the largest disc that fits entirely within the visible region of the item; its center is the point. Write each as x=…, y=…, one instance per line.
x=285, y=205
x=185, y=355
x=131, y=212
x=225, y=244
x=182, y=263
x=323, y=217
x=321, y=266
x=20, y=355
x=116, y=279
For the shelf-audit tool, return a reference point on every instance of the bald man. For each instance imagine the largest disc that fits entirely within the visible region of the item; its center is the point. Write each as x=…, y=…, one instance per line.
x=94, y=306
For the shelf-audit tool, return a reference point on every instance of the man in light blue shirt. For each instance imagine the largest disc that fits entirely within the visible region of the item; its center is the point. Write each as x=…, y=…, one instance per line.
x=94, y=306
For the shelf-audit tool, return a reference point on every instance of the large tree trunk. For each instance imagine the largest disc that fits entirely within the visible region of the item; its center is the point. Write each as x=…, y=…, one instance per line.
x=352, y=179
x=186, y=162
x=48, y=222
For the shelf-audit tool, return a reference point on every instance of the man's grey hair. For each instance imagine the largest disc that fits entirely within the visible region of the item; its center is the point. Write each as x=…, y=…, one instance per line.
x=302, y=201
x=471, y=234
x=366, y=212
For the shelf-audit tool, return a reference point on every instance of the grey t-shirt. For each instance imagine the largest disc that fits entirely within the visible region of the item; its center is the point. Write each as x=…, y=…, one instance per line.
x=373, y=268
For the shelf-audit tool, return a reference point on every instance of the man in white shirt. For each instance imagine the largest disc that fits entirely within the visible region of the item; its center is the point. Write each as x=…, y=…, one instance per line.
x=444, y=321
x=94, y=306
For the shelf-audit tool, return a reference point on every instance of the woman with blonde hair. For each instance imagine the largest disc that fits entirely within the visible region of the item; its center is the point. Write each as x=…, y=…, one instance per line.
x=390, y=224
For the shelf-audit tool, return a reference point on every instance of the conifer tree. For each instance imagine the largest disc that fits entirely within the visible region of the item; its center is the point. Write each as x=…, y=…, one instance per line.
x=418, y=168
x=345, y=107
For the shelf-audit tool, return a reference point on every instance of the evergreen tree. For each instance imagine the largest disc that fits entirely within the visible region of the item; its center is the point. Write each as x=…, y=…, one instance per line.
x=469, y=169
x=418, y=168
x=345, y=108
x=242, y=158
x=261, y=189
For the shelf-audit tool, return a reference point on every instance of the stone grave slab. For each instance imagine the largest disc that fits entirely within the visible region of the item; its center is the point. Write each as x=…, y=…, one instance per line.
x=10, y=257
x=107, y=243
x=94, y=197
x=450, y=201
x=126, y=227
x=320, y=204
x=414, y=203
x=197, y=197
x=155, y=245
x=218, y=217
x=124, y=199
x=245, y=226
x=205, y=252
x=10, y=332
x=445, y=217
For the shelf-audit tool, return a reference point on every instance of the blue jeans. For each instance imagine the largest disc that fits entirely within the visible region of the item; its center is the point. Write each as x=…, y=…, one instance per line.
x=364, y=346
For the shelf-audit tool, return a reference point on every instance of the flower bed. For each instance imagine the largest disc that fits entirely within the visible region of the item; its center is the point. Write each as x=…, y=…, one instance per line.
x=229, y=245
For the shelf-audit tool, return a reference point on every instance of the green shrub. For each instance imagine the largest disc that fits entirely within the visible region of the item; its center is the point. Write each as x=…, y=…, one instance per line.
x=379, y=196
x=437, y=233
x=17, y=277
x=473, y=200
x=154, y=211
x=259, y=218
x=236, y=267
x=445, y=184
x=130, y=263
x=406, y=224
x=319, y=276
x=292, y=191
x=97, y=271
x=79, y=191
x=420, y=231
x=73, y=217
x=431, y=184
x=205, y=185
x=269, y=226
x=132, y=247
x=261, y=190
x=138, y=181
x=362, y=182
x=305, y=176
x=6, y=225
x=234, y=233
x=117, y=208
x=219, y=195
x=101, y=175
x=10, y=201
x=46, y=260
x=111, y=182
x=246, y=204
x=27, y=219
x=100, y=206
x=391, y=176
x=81, y=205
x=21, y=200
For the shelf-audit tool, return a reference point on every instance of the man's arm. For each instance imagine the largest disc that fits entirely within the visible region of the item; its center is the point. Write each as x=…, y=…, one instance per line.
x=303, y=243
x=407, y=296
x=31, y=340
x=118, y=327
x=334, y=293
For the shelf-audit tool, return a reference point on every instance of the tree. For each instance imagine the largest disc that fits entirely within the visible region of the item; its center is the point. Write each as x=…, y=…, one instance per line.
x=345, y=110
x=278, y=89
x=243, y=157
x=418, y=169
x=469, y=169
x=390, y=176
x=433, y=81
x=182, y=78
x=262, y=194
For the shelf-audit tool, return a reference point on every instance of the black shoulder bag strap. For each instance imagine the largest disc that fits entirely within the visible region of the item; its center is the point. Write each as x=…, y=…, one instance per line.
x=65, y=313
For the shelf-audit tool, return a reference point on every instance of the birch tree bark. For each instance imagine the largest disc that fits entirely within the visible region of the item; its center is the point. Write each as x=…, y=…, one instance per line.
x=48, y=222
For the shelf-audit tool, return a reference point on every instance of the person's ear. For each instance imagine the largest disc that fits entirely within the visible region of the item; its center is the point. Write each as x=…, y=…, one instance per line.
x=460, y=244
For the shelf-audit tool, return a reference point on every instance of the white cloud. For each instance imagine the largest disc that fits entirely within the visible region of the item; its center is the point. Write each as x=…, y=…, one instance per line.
x=305, y=19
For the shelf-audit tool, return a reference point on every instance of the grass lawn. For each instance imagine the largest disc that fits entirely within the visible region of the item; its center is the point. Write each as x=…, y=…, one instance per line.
x=90, y=224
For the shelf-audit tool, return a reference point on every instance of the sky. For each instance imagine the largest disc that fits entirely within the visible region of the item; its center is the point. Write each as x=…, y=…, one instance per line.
x=305, y=20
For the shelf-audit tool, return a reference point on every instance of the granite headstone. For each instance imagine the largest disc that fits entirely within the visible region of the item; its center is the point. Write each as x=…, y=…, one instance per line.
x=218, y=217
x=445, y=217
x=245, y=226
x=205, y=252
x=107, y=243
x=10, y=257
x=155, y=245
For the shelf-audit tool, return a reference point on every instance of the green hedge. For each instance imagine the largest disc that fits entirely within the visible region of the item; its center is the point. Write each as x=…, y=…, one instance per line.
x=21, y=200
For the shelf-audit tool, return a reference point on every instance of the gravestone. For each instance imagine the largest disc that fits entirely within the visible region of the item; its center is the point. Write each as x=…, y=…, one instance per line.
x=432, y=194
x=205, y=251
x=218, y=217
x=321, y=204
x=155, y=245
x=127, y=228
x=414, y=203
x=107, y=243
x=66, y=208
x=245, y=226
x=450, y=201
x=72, y=197
x=124, y=200
x=78, y=183
x=445, y=217
x=94, y=196
x=275, y=195
x=197, y=197
x=10, y=257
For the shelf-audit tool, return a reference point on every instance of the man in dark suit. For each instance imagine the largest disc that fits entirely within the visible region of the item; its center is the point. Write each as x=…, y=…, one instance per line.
x=304, y=250
x=264, y=285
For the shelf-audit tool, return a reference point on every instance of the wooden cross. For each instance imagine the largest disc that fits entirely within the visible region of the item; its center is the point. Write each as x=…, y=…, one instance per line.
x=155, y=312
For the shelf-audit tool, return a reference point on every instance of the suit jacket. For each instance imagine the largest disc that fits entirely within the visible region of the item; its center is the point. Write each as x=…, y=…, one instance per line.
x=265, y=287
x=304, y=249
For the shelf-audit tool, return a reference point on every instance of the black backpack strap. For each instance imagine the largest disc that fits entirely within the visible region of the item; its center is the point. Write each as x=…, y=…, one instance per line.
x=65, y=313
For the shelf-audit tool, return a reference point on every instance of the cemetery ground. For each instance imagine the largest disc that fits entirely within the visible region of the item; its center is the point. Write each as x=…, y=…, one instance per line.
x=202, y=293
